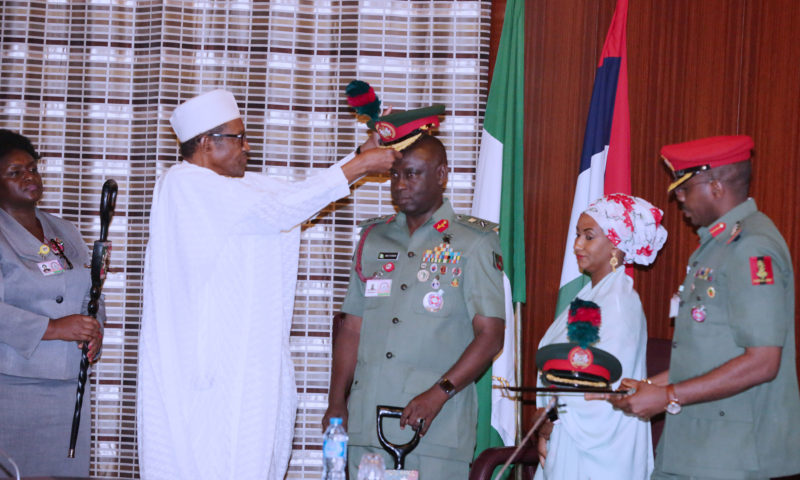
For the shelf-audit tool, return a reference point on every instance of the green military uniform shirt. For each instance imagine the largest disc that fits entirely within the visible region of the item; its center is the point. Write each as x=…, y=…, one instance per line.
x=738, y=293
x=414, y=330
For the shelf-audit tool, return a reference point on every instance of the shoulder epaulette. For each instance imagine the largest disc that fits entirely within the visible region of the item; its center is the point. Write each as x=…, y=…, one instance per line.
x=382, y=219
x=478, y=223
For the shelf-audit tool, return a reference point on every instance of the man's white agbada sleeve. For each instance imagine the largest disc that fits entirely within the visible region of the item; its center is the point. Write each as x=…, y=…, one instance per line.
x=216, y=389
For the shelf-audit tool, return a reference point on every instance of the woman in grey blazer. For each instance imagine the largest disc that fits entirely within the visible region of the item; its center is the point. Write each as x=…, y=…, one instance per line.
x=44, y=294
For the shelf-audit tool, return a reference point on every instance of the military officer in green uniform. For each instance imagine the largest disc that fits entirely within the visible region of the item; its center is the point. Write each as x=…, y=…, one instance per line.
x=731, y=391
x=424, y=315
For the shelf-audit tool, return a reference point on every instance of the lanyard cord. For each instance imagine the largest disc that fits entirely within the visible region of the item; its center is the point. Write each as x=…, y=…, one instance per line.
x=359, y=251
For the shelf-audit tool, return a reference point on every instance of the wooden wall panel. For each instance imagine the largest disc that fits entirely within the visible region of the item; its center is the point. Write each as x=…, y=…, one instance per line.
x=684, y=64
x=560, y=56
x=770, y=112
x=695, y=69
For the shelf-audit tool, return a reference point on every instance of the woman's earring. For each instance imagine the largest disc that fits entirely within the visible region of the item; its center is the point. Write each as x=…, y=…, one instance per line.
x=614, y=262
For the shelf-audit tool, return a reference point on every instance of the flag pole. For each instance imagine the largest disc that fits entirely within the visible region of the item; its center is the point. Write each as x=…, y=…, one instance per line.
x=518, y=378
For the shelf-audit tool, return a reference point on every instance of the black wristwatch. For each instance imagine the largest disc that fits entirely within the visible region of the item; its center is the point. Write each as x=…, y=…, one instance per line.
x=447, y=386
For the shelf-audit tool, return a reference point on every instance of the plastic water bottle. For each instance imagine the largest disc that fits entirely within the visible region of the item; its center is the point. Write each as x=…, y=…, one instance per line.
x=334, y=451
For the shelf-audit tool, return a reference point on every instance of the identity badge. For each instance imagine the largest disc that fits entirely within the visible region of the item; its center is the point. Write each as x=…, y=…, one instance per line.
x=50, y=267
x=378, y=287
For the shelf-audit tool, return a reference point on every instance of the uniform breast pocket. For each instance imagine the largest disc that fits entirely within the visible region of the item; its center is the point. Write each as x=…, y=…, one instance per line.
x=433, y=302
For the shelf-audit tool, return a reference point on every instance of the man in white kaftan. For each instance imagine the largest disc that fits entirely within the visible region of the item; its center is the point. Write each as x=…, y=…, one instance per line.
x=216, y=389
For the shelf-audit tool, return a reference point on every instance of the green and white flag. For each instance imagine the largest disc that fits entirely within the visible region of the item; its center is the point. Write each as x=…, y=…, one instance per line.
x=499, y=198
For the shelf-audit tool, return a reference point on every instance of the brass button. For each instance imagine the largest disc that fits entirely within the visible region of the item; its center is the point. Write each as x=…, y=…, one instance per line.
x=395, y=320
x=410, y=254
x=403, y=286
x=389, y=355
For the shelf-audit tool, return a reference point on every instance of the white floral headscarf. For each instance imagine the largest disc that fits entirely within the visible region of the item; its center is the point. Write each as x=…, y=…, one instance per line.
x=632, y=224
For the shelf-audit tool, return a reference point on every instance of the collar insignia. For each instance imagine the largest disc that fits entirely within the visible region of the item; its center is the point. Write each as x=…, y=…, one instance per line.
x=717, y=229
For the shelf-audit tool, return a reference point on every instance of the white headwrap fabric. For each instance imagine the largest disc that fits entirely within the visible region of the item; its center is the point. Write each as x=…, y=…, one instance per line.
x=202, y=113
x=632, y=224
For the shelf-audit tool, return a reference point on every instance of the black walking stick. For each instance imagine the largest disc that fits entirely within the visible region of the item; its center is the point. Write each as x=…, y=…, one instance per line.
x=398, y=452
x=100, y=258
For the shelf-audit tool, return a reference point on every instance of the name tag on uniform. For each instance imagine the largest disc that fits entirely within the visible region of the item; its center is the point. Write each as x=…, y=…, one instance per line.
x=378, y=287
x=674, y=305
x=50, y=267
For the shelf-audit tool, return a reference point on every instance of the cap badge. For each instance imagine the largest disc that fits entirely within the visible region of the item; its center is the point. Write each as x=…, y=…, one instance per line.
x=385, y=129
x=580, y=358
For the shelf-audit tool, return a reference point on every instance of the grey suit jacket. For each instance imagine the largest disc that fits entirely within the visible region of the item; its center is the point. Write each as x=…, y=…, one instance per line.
x=29, y=299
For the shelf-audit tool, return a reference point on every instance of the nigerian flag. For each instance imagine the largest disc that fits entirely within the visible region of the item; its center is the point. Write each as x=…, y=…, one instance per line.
x=498, y=198
x=606, y=158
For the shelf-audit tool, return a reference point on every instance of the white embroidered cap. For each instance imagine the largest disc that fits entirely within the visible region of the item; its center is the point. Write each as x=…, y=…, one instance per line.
x=202, y=113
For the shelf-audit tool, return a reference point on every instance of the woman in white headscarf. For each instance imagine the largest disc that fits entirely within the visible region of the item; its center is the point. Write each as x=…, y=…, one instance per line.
x=590, y=439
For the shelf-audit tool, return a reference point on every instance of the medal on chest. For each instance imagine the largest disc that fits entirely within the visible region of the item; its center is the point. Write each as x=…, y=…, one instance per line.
x=433, y=301
x=441, y=254
x=699, y=314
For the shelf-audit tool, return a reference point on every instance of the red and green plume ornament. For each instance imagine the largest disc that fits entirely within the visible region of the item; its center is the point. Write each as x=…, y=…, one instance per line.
x=362, y=98
x=583, y=322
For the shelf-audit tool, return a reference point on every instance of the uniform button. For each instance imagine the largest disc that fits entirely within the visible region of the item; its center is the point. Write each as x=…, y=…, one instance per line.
x=410, y=254
x=698, y=298
x=395, y=320
x=403, y=286
x=680, y=304
x=721, y=413
x=355, y=383
x=694, y=264
x=389, y=355
x=674, y=344
x=59, y=299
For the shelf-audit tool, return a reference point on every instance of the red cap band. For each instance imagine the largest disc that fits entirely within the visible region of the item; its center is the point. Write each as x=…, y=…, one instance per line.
x=560, y=364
